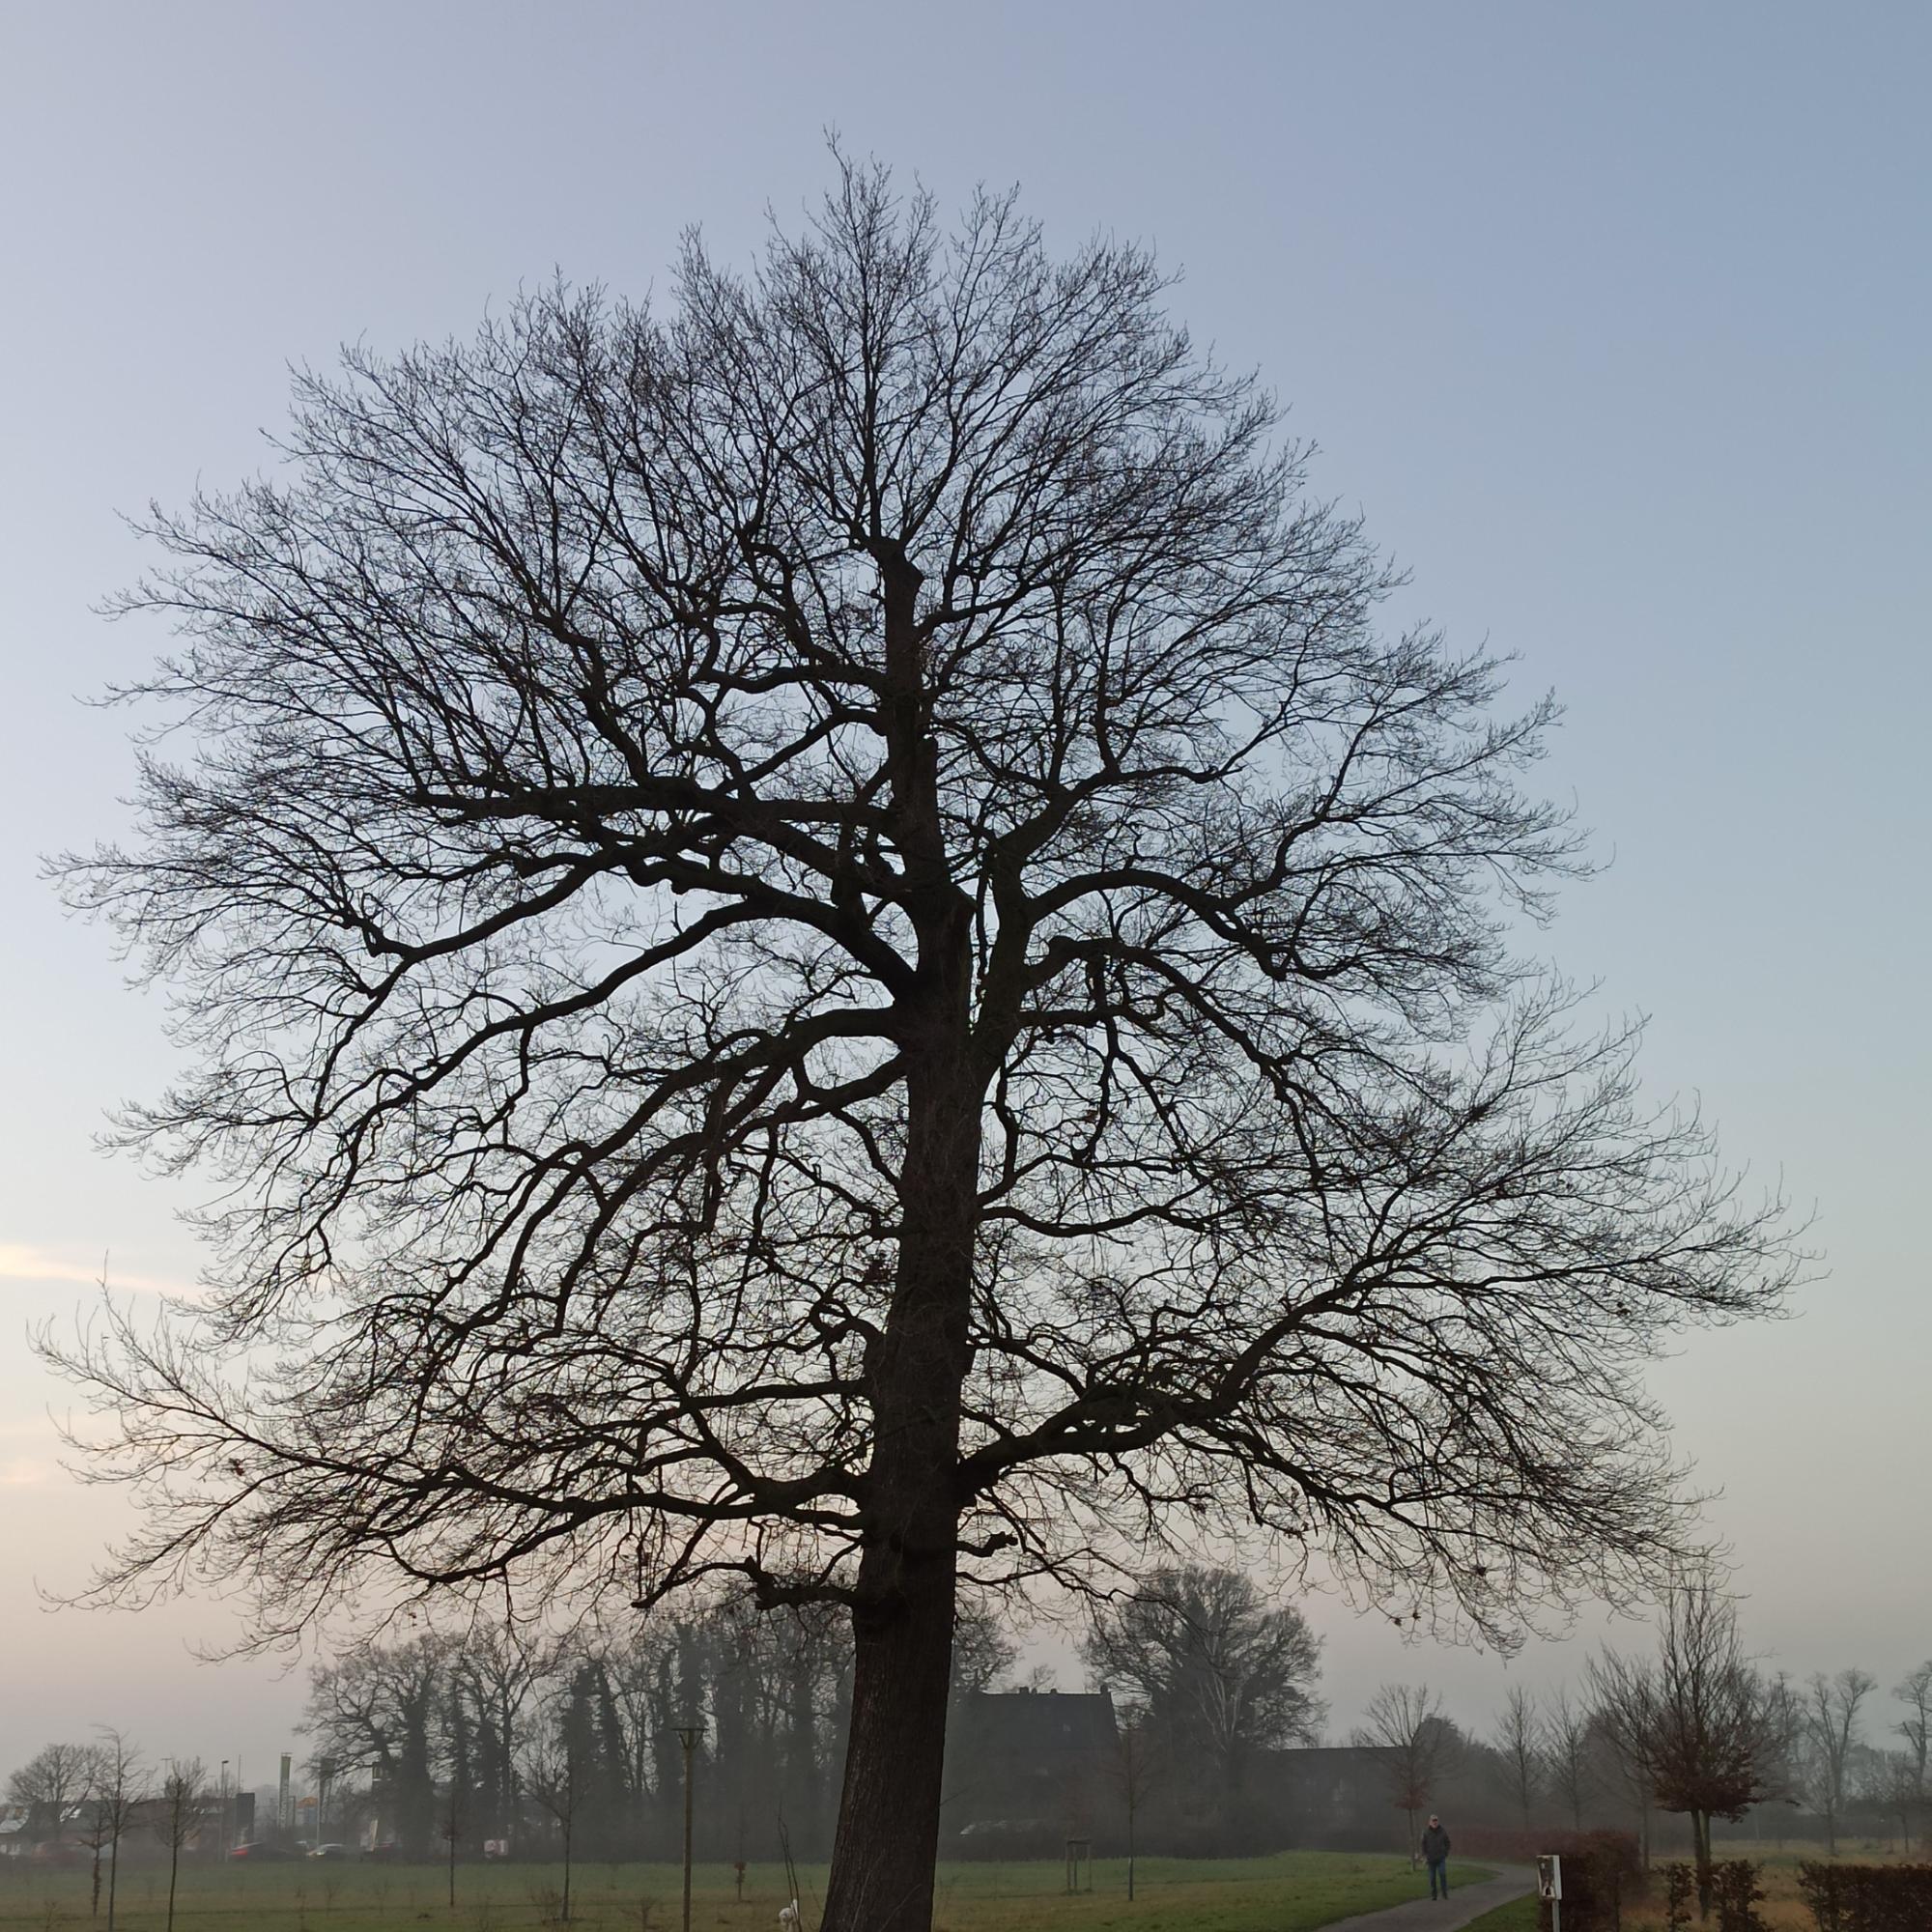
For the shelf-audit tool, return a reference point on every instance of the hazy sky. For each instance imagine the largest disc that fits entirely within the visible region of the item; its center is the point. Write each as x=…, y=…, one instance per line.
x=1612, y=320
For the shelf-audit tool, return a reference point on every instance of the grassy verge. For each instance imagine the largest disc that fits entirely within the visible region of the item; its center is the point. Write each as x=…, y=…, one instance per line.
x=1518, y=1915
x=1291, y=1892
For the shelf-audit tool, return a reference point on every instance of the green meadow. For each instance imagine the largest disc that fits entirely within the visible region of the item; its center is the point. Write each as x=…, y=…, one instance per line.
x=1291, y=1891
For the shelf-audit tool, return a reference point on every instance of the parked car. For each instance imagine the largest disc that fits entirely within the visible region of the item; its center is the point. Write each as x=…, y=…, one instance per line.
x=259, y=1855
x=386, y=1853
x=330, y=1852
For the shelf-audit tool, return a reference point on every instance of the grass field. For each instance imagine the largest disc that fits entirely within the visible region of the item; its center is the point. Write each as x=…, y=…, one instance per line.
x=1518, y=1915
x=1292, y=1892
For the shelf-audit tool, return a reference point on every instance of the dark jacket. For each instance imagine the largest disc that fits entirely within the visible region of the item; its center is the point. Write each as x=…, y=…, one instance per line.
x=1434, y=1844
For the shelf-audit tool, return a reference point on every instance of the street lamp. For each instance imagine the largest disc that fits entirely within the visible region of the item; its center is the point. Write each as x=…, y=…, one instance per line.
x=688, y=1735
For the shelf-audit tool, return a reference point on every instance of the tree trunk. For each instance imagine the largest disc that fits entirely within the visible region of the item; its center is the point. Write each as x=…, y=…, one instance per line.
x=1700, y=1840
x=888, y=1832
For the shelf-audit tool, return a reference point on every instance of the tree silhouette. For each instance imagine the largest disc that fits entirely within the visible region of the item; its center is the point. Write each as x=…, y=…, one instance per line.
x=1217, y=1670
x=1707, y=1732
x=1519, y=1746
x=1404, y=1723
x=179, y=1811
x=826, y=943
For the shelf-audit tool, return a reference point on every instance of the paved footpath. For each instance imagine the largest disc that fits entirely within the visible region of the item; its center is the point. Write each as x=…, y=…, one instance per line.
x=1435, y=1915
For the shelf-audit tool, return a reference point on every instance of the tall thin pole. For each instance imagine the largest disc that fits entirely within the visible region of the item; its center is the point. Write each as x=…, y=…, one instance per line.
x=688, y=1735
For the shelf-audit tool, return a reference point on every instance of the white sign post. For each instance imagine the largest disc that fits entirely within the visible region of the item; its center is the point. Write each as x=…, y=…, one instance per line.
x=1549, y=1885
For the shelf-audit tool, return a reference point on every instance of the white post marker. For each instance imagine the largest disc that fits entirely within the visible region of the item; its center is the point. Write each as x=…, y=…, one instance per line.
x=1549, y=1885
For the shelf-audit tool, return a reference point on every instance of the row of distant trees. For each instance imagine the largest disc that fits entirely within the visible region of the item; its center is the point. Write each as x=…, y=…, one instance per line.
x=578, y=1744
x=577, y=1747
x=102, y=1795
x=1698, y=1728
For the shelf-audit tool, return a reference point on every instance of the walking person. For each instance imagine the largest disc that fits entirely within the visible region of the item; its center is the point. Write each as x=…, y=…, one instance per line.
x=1436, y=1855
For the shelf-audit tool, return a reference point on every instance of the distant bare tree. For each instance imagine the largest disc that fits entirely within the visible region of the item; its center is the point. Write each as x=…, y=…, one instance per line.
x=1828, y=1723
x=1706, y=1730
x=119, y=1794
x=1218, y=1671
x=1404, y=1722
x=1914, y=1692
x=178, y=1813
x=1565, y=1750
x=1622, y=1769
x=823, y=936
x=1517, y=1743
x=51, y=1785
x=375, y=1709
x=1136, y=1764
x=555, y=1778
x=502, y=1662
x=984, y=1650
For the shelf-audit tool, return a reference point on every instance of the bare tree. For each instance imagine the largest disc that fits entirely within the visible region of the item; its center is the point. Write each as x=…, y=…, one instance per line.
x=1404, y=1722
x=1135, y=1767
x=179, y=1814
x=375, y=1710
x=554, y=1778
x=1518, y=1744
x=1218, y=1671
x=1914, y=1692
x=1708, y=1733
x=983, y=1650
x=119, y=1794
x=1565, y=1749
x=1626, y=1771
x=837, y=948
x=51, y=1785
x=1828, y=1723
x=502, y=1662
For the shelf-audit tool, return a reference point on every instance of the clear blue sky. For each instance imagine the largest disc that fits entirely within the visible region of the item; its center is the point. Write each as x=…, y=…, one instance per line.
x=1612, y=320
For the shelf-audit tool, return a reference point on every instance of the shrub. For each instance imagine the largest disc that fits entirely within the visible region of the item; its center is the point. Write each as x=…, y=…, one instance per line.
x=1735, y=1892
x=1620, y=1849
x=1680, y=1896
x=1598, y=1868
x=1868, y=1898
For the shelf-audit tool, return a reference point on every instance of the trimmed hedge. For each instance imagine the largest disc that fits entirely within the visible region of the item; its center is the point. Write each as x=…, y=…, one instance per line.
x=1867, y=1898
x=1600, y=1871
x=1734, y=1897
x=1619, y=1849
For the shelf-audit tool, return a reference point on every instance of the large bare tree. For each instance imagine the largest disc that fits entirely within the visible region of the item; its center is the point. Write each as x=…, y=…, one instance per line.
x=1707, y=1732
x=822, y=937
x=1518, y=1742
x=1828, y=1722
x=1565, y=1739
x=56, y=1779
x=1914, y=1692
x=1417, y=1745
x=1218, y=1670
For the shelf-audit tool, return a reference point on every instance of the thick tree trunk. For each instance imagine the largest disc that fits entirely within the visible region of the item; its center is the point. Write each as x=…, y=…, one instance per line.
x=887, y=1839
x=888, y=1834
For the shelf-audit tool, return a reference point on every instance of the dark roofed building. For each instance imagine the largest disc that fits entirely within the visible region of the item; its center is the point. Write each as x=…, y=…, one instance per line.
x=1025, y=1769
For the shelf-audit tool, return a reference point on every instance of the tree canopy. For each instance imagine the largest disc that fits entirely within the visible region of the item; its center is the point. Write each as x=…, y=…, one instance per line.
x=821, y=937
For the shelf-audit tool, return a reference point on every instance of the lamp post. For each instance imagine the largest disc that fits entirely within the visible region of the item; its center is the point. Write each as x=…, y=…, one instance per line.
x=688, y=1735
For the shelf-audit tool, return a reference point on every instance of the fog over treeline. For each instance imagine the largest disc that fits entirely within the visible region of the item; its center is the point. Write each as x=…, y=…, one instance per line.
x=1202, y=1727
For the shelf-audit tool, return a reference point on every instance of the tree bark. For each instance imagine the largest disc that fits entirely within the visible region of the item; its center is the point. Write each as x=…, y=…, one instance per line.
x=888, y=1834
